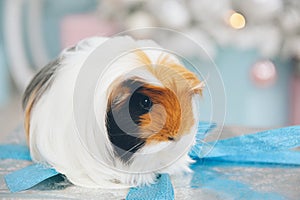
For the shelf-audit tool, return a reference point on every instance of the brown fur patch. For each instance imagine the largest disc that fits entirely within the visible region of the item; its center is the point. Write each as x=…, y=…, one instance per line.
x=142, y=56
x=118, y=95
x=163, y=121
x=174, y=115
x=169, y=71
x=120, y=90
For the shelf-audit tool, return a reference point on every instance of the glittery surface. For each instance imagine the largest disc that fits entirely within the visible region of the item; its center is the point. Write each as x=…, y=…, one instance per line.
x=210, y=180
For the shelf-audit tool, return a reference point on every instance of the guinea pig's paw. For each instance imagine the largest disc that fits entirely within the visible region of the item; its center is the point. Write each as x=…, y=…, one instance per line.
x=140, y=179
x=179, y=167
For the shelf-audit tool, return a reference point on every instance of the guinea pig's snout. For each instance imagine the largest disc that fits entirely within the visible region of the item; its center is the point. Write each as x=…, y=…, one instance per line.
x=173, y=136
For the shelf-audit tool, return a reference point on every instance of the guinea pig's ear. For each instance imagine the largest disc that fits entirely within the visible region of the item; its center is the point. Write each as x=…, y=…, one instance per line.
x=169, y=71
x=195, y=86
x=198, y=88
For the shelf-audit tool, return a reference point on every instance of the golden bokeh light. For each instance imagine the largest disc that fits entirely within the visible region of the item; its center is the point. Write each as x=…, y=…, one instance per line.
x=237, y=20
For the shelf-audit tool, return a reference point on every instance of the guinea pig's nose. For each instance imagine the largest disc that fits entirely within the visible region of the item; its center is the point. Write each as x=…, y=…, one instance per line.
x=173, y=138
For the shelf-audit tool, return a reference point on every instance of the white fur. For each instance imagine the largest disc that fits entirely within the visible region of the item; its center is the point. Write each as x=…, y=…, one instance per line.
x=87, y=160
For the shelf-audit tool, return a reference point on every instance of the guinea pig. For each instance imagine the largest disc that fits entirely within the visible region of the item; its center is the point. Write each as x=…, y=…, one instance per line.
x=145, y=107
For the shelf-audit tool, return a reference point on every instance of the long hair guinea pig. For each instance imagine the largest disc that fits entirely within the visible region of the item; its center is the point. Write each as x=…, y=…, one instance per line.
x=146, y=110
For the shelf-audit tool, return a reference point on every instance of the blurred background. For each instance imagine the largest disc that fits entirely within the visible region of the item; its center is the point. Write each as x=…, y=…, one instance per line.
x=254, y=43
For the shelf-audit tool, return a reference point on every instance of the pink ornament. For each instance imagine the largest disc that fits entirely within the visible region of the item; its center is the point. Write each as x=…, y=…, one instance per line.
x=79, y=26
x=295, y=100
x=263, y=73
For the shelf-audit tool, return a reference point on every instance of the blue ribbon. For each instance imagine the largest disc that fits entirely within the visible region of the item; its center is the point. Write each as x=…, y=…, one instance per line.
x=161, y=190
x=28, y=177
x=270, y=147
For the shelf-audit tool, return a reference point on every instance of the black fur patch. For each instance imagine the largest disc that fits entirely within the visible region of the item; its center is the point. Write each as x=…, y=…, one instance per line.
x=122, y=122
x=125, y=144
x=41, y=81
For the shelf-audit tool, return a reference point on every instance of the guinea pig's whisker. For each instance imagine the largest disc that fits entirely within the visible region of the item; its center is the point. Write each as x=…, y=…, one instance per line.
x=200, y=140
x=205, y=143
x=131, y=134
x=128, y=151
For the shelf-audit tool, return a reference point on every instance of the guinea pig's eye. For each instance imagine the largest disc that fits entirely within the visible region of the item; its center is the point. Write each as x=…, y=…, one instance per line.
x=145, y=102
x=140, y=103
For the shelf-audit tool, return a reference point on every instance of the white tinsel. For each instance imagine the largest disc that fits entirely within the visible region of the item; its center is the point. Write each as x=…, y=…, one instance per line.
x=271, y=26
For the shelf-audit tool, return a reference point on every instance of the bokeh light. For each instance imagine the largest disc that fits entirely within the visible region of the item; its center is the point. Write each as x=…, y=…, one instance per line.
x=237, y=20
